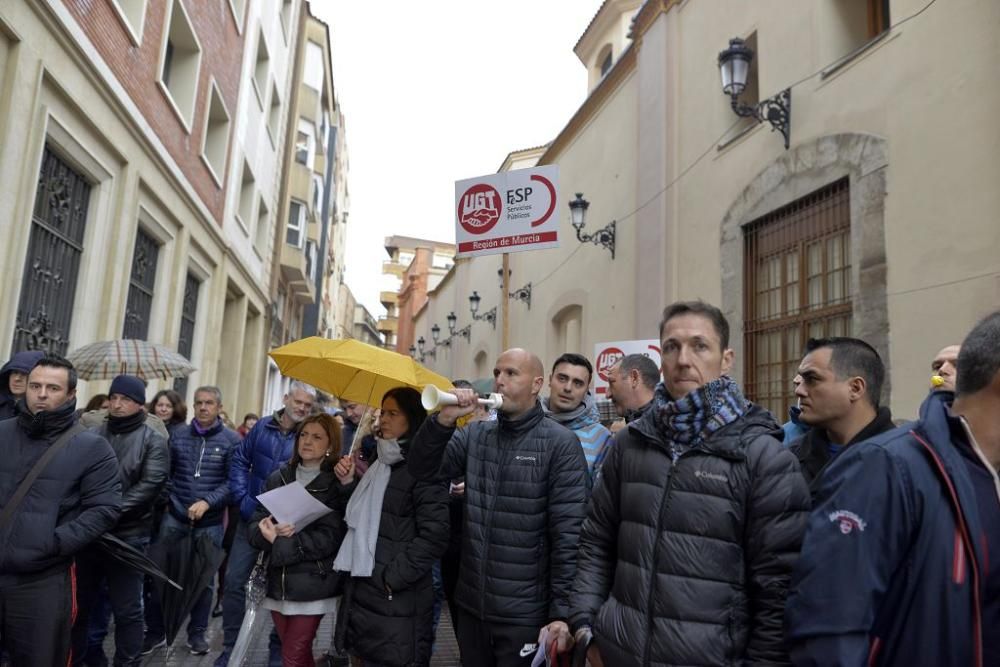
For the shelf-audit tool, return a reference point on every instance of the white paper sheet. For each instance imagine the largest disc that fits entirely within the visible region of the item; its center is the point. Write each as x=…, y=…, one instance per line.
x=292, y=504
x=540, y=657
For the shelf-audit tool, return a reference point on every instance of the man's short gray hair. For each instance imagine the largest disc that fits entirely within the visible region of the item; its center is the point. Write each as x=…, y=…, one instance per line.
x=302, y=386
x=649, y=373
x=209, y=389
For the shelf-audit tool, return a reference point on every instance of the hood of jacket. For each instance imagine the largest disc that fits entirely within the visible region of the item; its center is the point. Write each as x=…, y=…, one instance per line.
x=582, y=416
x=22, y=362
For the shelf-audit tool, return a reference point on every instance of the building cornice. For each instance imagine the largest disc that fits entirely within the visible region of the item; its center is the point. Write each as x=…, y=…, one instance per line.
x=598, y=96
x=647, y=15
x=609, y=13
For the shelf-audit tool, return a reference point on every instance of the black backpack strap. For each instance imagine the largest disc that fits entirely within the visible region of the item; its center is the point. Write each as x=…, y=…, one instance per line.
x=22, y=490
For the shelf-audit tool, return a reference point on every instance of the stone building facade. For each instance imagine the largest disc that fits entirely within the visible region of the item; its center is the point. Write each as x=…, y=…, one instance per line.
x=117, y=125
x=876, y=222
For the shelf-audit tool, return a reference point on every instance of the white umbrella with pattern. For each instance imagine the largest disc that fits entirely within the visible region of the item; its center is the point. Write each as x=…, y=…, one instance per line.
x=107, y=359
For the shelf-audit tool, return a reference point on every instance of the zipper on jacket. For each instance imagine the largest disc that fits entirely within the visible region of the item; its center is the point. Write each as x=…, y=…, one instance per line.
x=282, y=582
x=489, y=526
x=656, y=549
x=201, y=455
x=963, y=528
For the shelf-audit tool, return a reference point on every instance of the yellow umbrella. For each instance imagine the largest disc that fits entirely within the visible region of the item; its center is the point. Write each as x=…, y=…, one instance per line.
x=352, y=370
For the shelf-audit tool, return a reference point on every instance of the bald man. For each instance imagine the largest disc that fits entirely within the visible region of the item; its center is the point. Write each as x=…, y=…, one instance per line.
x=526, y=488
x=945, y=366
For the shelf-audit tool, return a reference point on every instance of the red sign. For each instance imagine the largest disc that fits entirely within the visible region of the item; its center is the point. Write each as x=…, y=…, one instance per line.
x=511, y=211
x=479, y=209
x=607, y=359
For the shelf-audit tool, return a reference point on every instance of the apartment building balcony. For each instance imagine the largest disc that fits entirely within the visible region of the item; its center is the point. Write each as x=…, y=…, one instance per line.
x=392, y=268
x=388, y=299
x=295, y=271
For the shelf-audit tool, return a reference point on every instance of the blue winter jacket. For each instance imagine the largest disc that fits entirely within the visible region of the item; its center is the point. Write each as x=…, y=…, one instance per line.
x=199, y=470
x=891, y=569
x=263, y=450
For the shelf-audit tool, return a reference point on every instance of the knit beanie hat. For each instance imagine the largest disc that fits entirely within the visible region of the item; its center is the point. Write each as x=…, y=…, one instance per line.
x=130, y=386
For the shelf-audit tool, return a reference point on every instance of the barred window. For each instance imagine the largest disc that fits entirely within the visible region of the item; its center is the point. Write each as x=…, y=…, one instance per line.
x=140, y=288
x=185, y=341
x=797, y=285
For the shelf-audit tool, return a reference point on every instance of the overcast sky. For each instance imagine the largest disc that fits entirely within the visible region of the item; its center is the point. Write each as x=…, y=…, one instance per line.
x=434, y=92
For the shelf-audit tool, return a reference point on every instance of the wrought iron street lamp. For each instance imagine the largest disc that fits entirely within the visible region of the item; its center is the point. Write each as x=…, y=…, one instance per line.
x=436, y=335
x=578, y=217
x=490, y=315
x=521, y=294
x=421, y=342
x=734, y=67
x=413, y=351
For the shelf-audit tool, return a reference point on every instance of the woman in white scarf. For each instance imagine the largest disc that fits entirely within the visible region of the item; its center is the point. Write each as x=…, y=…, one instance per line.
x=397, y=529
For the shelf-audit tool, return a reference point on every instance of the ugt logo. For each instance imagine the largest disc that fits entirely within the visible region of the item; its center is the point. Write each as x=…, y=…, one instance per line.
x=606, y=359
x=479, y=209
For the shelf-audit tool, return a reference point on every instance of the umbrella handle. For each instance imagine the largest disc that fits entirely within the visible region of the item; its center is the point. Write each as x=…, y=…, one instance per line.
x=365, y=427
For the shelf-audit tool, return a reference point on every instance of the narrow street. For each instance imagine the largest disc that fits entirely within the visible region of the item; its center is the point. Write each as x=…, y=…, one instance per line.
x=445, y=651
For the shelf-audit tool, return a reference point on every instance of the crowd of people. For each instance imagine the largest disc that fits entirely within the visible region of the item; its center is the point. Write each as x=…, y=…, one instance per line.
x=694, y=530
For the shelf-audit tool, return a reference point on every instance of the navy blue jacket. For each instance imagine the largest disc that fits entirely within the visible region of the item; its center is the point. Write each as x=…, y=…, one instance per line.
x=262, y=452
x=199, y=470
x=892, y=567
x=76, y=498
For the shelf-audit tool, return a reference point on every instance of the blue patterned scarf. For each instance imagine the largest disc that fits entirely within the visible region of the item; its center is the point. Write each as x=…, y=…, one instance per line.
x=689, y=421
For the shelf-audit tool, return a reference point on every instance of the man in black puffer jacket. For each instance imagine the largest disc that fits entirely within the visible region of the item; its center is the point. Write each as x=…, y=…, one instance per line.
x=199, y=494
x=526, y=487
x=143, y=464
x=687, y=550
x=75, y=499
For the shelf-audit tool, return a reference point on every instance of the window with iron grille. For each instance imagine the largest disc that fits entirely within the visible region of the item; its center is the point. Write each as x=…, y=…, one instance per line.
x=797, y=285
x=185, y=341
x=48, y=286
x=140, y=286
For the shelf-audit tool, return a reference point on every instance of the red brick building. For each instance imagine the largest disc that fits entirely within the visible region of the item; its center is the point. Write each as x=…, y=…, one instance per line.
x=155, y=44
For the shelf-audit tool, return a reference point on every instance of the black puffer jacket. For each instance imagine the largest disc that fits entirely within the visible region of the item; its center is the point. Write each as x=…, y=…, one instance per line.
x=389, y=616
x=526, y=489
x=143, y=467
x=689, y=563
x=300, y=567
x=75, y=500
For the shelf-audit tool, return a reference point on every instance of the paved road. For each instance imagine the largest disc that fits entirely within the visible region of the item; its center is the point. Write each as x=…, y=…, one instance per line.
x=445, y=654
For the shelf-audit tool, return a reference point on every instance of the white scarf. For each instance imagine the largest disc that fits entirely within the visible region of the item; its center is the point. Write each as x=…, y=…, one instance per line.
x=364, y=513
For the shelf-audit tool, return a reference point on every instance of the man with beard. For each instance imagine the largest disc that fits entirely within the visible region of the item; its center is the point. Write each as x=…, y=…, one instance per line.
x=74, y=498
x=526, y=489
x=143, y=465
x=267, y=446
x=569, y=403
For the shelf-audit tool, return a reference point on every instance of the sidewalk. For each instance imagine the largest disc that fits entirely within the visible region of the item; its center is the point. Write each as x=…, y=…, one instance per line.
x=446, y=650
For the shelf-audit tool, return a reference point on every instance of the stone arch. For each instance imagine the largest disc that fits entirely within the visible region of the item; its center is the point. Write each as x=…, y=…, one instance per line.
x=863, y=159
